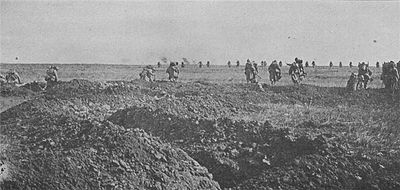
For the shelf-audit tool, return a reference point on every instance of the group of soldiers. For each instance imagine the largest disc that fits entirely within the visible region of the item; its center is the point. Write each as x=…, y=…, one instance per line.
x=12, y=77
x=148, y=72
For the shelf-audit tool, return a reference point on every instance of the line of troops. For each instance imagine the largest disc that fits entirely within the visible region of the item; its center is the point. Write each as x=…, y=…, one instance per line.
x=12, y=77
x=390, y=73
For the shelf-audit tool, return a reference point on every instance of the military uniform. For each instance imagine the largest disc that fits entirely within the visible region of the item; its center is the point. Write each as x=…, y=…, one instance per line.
x=13, y=77
x=364, y=74
x=147, y=73
x=249, y=71
x=274, y=72
x=173, y=72
x=51, y=76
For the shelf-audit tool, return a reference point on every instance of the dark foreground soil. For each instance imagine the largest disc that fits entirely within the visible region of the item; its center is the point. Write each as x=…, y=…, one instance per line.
x=139, y=135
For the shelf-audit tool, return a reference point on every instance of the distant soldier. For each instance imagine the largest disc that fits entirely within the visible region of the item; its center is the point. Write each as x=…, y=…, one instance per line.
x=306, y=64
x=13, y=77
x=330, y=64
x=229, y=64
x=377, y=64
x=280, y=63
x=208, y=63
x=237, y=63
x=158, y=64
x=147, y=73
x=51, y=76
x=249, y=71
x=200, y=64
x=183, y=64
x=173, y=72
x=364, y=74
x=274, y=72
x=313, y=64
x=351, y=64
x=340, y=64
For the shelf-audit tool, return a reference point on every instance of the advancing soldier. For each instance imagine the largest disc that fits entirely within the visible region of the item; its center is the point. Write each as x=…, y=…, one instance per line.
x=173, y=72
x=352, y=82
x=377, y=64
x=390, y=75
x=330, y=64
x=249, y=71
x=147, y=73
x=255, y=65
x=364, y=75
x=183, y=64
x=208, y=63
x=13, y=77
x=351, y=64
x=229, y=64
x=280, y=63
x=274, y=72
x=340, y=64
x=200, y=64
x=296, y=71
x=237, y=63
x=313, y=64
x=51, y=76
x=306, y=63
x=158, y=64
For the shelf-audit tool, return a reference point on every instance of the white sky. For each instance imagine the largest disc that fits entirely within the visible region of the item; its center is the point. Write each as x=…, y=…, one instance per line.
x=135, y=32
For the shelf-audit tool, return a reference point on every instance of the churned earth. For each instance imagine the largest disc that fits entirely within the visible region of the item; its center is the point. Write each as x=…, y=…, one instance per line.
x=199, y=135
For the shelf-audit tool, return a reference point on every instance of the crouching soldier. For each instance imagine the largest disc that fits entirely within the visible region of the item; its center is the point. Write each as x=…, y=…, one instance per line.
x=13, y=77
x=51, y=77
x=173, y=72
x=147, y=73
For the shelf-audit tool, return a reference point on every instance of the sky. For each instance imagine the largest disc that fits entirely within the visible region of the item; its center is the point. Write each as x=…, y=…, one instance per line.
x=145, y=32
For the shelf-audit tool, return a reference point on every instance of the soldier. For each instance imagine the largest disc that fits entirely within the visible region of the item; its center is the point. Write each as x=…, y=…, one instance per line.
x=313, y=64
x=13, y=77
x=173, y=72
x=183, y=64
x=330, y=64
x=306, y=63
x=351, y=64
x=377, y=64
x=237, y=63
x=158, y=64
x=147, y=73
x=340, y=64
x=2, y=79
x=51, y=76
x=352, y=82
x=280, y=63
x=255, y=67
x=294, y=72
x=364, y=74
x=208, y=63
x=200, y=64
x=274, y=72
x=249, y=71
x=390, y=75
x=229, y=64
x=398, y=66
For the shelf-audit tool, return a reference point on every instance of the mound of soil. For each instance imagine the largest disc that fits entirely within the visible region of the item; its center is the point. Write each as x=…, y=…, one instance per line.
x=7, y=90
x=49, y=149
x=250, y=155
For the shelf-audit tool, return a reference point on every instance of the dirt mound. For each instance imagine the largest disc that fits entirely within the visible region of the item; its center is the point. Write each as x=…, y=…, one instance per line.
x=58, y=150
x=35, y=86
x=251, y=155
x=7, y=90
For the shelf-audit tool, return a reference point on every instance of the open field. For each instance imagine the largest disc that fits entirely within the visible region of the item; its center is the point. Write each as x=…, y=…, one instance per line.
x=211, y=130
x=321, y=75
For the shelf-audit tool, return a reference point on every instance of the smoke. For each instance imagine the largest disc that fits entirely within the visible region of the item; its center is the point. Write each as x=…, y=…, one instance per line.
x=164, y=59
x=185, y=60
